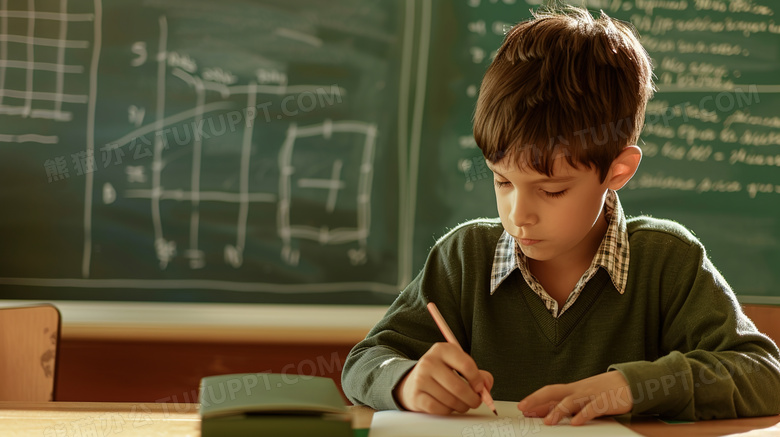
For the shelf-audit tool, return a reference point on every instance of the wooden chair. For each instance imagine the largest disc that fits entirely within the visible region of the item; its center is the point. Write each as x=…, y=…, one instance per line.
x=766, y=318
x=29, y=338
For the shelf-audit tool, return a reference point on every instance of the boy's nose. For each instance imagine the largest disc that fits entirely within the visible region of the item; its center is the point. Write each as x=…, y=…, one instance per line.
x=522, y=213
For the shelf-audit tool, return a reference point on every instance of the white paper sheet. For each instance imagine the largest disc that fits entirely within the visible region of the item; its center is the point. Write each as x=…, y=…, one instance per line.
x=772, y=431
x=482, y=423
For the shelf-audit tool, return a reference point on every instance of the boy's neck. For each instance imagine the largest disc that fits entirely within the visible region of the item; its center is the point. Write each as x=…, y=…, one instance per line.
x=559, y=276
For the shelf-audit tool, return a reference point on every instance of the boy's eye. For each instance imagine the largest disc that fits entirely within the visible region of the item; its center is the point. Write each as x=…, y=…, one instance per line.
x=554, y=194
x=501, y=184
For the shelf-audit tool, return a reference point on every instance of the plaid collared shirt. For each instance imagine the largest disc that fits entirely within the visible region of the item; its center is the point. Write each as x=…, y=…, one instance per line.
x=612, y=255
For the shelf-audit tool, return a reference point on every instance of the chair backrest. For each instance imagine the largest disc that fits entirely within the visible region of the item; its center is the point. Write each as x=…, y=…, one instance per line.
x=29, y=338
x=766, y=318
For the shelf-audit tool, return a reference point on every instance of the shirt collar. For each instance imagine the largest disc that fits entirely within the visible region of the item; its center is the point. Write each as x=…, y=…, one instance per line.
x=612, y=254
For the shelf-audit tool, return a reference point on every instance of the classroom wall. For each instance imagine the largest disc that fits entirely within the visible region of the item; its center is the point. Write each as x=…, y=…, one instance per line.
x=170, y=371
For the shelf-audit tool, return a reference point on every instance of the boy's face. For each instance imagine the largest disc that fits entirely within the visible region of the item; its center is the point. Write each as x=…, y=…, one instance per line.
x=552, y=218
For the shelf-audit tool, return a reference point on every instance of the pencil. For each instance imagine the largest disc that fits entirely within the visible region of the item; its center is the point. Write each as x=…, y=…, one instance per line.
x=450, y=337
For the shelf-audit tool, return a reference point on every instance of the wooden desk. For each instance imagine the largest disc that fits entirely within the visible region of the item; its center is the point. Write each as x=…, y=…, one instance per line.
x=76, y=419
x=99, y=419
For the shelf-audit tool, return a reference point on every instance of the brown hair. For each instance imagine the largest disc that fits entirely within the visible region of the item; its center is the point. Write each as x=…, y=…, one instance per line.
x=564, y=82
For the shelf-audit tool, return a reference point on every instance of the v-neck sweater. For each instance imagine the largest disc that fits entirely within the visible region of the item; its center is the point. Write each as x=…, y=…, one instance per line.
x=677, y=334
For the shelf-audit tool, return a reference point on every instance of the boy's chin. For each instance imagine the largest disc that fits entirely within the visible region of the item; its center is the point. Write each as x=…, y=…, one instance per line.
x=536, y=254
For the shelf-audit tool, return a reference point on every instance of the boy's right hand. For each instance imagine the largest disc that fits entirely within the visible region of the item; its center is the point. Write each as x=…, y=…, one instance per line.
x=432, y=386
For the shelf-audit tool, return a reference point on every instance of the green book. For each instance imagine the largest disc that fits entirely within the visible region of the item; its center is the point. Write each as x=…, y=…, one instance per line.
x=272, y=404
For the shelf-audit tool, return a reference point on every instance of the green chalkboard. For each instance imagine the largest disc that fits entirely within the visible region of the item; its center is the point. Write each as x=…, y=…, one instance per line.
x=311, y=152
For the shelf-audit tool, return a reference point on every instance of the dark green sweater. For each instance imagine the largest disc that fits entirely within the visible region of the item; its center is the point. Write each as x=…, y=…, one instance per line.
x=677, y=334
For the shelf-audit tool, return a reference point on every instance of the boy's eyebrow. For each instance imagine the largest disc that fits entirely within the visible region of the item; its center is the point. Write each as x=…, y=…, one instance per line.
x=495, y=171
x=554, y=179
x=491, y=168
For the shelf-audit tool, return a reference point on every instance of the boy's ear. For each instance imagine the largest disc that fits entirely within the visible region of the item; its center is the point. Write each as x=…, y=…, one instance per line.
x=623, y=167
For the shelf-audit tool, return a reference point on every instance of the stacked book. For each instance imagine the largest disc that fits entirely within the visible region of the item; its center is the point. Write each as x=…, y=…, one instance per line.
x=252, y=404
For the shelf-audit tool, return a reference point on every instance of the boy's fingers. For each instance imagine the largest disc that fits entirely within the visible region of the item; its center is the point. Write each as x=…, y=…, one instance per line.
x=459, y=360
x=458, y=387
x=428, y=403
x=586, y=414
x=466, y=382
x=588, y=399
x=562, y=409
x=442, y=396
x=422, y=393
x=488, y=378
x=539, y=410
x=543, y=397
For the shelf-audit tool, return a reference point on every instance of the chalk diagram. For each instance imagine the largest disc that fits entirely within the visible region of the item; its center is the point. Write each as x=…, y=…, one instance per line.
x=210, y=97
x=36, y=82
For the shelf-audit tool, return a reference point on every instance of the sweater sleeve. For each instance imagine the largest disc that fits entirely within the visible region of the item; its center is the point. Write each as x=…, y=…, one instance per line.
x=377, y=364
x=717, y=365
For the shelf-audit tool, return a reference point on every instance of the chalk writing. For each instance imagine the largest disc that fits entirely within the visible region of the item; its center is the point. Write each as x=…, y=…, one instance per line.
x=185, y=62
x=743, y=157
x=742, y=117
x=761, y=138
x=649, y=6
x=754, y=189
x=703, y=185
x=661, y=45
x=745, y=6
x=660, y=111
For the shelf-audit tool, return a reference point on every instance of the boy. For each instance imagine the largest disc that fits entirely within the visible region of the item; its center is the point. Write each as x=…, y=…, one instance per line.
x=564, y=304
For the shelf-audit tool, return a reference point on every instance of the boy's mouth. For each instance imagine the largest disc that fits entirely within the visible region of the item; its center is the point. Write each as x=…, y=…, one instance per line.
x=528, y=241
